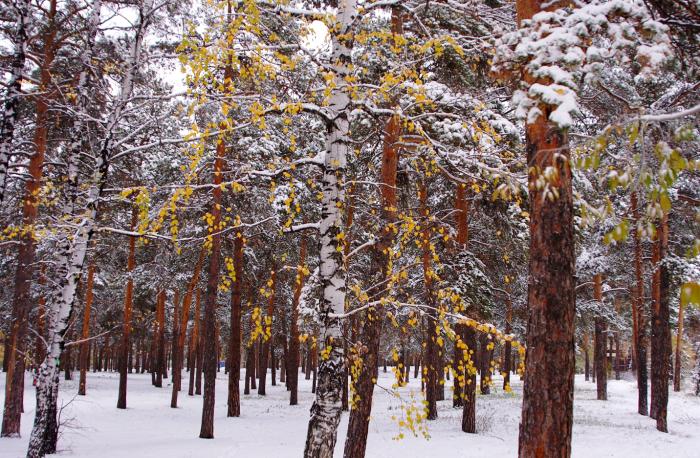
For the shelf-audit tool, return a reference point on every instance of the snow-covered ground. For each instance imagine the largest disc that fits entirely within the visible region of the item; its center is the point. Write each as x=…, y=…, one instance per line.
x=269, y=427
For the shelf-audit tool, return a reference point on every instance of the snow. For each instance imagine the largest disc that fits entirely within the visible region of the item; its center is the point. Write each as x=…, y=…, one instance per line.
x=269, y=427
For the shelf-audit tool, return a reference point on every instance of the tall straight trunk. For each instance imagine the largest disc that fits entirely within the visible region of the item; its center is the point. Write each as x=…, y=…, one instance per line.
x=507, y=350
x=40, y=341
x=547, y=415
x=85, y=334
x=265, y=347
x=466, y=345
x=160, y=338
x=679, y=344
x=22, y=300
x=661, y=332
x=641, y=337
x=349, y=216
x=186, y=305
x=618, y=357
x=175, y=350
x=22, y=20
x=255, y=358
x=71, y=254
x=469, y=410
x=358, y=424
x=431, y=361
x=600, y=353
x=327, y=407
x=128, y=306
x=654, y=341
x=458, y=367
x=314, y=366
x=209, y=334
x=292, y=361
x=273, y=364
x=485, y=366
x=586, y=356
x=234, y=347
x=248, y=368
x=194, y=343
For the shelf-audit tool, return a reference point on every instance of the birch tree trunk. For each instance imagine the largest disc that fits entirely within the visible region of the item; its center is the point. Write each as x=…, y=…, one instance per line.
x=327, y=407
x=22, y=18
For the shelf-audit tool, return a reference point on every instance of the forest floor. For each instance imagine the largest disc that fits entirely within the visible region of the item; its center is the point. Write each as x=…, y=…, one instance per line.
x=269, y=427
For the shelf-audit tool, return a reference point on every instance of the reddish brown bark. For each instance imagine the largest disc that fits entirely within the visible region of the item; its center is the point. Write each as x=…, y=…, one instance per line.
x=469, y=410
x=660, y=331
x=679, y=344
x=22, y=301
x=234, y=348
x=641, y=336
x=39, y=342
x=292, y=361
x=349, y=326
x=85, y=334
x=358, y=424
x=175, y=347
x=600, y=354
x=194, y=344
x=160, y=339
x=209, y=334
x=585, y=344
x=128, y=306
x=547, y=418
x=507, y=349
x=265, y=350
x=431, y=360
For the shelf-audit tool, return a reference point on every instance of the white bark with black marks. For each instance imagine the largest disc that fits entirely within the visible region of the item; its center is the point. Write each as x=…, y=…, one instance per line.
x=327, y=407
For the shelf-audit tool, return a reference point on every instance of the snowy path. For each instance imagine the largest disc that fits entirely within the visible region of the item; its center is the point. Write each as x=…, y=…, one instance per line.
x=269, y=427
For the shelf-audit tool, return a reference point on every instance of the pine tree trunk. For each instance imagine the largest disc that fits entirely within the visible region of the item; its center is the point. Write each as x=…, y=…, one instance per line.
x=547, y=418
x=641, y=340
x=194, y=344
x=292, y=361
x=469, y=410
x=160, y=338
x=679, y=345
x=600, y=353
x=586, y=357
x=458, y=367
x=661, y=332
x=485, y=360
x=128, y=305
x=176, y=369
x=431, y=361
x=234, y=349
x=22, y=300
x=265, y=348
x=209, y=334
x=85, y=334
x=507, y=347
x=358, y=424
